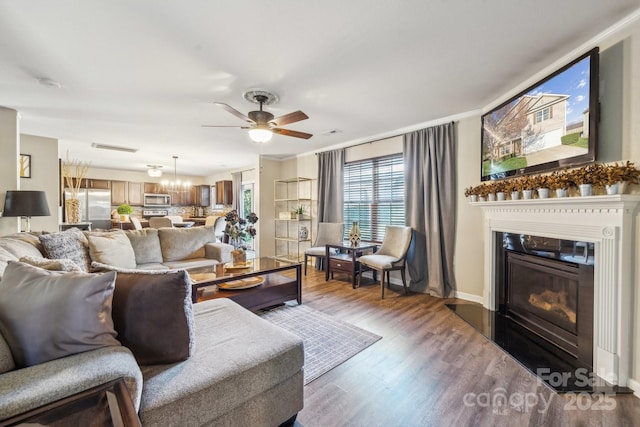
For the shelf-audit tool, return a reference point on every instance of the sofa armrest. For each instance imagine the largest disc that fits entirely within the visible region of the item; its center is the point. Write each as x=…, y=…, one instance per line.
x=24, y=389
x=218, y=251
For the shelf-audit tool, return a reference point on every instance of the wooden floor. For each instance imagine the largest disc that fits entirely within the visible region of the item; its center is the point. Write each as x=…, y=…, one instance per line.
x=433, y=369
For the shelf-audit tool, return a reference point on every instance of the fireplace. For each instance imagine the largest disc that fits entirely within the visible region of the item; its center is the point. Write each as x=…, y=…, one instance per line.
x=602, y=227
x=547, y=287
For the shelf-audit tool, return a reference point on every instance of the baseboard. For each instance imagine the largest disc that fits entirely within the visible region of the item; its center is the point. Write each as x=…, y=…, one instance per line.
x=468, y=297
x=635, y=386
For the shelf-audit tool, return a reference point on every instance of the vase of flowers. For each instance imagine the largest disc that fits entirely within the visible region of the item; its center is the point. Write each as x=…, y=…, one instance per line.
x=240, y=230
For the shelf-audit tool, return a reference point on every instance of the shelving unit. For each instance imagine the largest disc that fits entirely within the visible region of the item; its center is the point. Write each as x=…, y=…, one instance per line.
x=290, y=240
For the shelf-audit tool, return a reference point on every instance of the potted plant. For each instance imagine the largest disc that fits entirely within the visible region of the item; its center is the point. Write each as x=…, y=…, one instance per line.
x=586, y=177
x=559, y=181
x=510, y=186
x=471, y=192
x=124, y=210
x=616, y=175
x=541, y=184
x=299, y=212
x=526, y=184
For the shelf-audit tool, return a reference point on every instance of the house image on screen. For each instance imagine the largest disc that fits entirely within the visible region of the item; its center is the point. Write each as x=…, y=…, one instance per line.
x=539, y=122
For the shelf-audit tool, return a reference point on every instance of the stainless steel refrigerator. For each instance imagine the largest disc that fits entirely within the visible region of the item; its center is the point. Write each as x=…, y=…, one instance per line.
x=95, y=205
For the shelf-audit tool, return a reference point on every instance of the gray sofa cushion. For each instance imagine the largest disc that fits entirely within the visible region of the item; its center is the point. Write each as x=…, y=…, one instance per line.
x=45, y=315
x=146, y=245
x=152, y=314
x=29, y=388
x=51, y=264
x=70, y=244
x=185, y=243
x=191, y=263
x=14, y=246
x=238, y=356
x=111, y=247
x=6, y=358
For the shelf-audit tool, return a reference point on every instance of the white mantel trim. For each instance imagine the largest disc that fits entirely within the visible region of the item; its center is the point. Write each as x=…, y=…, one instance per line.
x=607, y=221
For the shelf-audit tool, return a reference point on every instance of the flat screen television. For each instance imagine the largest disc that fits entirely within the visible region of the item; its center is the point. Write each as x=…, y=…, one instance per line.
x=550, y=125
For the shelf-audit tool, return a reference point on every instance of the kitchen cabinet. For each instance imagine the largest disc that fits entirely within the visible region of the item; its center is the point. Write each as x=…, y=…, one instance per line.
x=136, y=193
x=153, y=188
x=181, y=198
x=119, y=192
x=201, y=195
x=224, y=192
x=103, y=184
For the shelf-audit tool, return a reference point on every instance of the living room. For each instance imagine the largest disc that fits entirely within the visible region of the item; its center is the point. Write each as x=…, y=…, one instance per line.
x=619, y=100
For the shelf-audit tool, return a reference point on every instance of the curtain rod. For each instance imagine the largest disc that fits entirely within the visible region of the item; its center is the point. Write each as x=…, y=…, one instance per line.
x=377, y=140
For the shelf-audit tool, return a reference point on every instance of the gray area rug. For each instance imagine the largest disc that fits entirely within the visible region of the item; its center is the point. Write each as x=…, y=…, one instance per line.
x=328, y=342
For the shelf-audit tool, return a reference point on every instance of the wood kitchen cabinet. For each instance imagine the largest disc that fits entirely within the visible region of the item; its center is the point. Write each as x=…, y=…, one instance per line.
x=201, y=195
x=153, y=188
x=136, y=193
x=224, y=192
x=119, y=192
x=92, y=183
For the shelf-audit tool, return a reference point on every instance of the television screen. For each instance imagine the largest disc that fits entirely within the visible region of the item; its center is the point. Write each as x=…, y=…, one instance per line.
x=550, y=125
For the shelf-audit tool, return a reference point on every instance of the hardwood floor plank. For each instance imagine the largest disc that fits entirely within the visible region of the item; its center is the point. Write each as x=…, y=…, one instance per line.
x=432, y=369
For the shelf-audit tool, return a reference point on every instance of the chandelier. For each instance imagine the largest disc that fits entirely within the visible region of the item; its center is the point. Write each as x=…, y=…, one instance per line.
x=154, y=171
x=176, y=185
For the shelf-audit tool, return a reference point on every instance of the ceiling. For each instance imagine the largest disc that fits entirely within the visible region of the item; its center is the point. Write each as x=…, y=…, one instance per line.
x=145, y=74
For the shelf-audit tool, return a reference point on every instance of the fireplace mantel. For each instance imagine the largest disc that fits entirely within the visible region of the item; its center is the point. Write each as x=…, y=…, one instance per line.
x=607, y=221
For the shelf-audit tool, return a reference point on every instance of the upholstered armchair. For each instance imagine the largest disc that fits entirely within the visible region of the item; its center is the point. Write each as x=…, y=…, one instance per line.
x=391, y=255
x=328, y=232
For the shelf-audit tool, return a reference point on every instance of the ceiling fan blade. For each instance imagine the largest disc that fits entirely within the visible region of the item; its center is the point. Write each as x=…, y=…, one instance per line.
x=217, y=126
x=296, y=116
x=235, y=112
x=293, y=133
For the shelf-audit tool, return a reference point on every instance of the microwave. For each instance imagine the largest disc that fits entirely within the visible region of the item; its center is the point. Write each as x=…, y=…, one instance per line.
x=157, y=200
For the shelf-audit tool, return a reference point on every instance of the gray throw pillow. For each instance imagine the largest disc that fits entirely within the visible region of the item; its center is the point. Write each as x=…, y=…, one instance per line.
x=153, y=316
x=69, y=244
x=46, y=315
x=146, y=245
x=111, y=248
x=51, y=264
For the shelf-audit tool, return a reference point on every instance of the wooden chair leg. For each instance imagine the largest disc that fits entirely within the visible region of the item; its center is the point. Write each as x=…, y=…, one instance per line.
x=382, y=284
x=305, y=264
x=359, y=279
x=404, y=282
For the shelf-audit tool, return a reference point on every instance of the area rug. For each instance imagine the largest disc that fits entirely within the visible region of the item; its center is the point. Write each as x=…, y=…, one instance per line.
x=328, y=342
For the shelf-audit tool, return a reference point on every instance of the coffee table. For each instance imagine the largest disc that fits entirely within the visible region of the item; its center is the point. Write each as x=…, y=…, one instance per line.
x=264, y=282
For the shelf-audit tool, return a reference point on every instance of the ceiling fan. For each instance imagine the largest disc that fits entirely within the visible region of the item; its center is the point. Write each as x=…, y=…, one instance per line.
x=262, y=124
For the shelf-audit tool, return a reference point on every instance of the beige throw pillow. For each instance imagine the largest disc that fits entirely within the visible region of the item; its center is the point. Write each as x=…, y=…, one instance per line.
x=46, y=315
x=111, y=248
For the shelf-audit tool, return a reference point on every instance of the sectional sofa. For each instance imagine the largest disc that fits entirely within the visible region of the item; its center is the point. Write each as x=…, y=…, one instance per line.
x=210, y=363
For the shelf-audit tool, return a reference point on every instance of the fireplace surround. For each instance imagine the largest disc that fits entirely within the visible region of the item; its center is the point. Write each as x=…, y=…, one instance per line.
x=608, y=224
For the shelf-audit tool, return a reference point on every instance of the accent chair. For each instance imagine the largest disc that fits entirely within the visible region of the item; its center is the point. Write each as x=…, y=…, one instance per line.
x=328, y=232
x=391, y=255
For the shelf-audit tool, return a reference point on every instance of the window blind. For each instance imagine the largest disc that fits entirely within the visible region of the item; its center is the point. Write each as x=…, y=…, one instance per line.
x=374, y=195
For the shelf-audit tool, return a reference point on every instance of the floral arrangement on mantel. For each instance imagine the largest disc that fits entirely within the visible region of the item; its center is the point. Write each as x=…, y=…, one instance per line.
x=609, y=176
x=73, y=172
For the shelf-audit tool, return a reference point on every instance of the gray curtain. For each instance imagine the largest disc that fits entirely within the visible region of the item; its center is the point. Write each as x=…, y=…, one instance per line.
x=330, y=186
x=430, y=203
x=236, y=186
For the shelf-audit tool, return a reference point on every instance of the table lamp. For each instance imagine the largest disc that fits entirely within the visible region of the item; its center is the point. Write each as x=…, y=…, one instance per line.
x=26, y=204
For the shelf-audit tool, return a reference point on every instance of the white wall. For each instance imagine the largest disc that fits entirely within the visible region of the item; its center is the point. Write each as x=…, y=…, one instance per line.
x=44, y=173
x=10, y=148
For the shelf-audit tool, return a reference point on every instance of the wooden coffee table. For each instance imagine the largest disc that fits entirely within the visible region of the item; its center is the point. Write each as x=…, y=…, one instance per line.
x=264, y=282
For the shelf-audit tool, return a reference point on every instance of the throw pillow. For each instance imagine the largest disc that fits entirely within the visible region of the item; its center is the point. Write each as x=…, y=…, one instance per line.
x=112, y=248
x=69, y=244
x=51, y=264
x=153, y=316
x=146, y=245
x=46, y=315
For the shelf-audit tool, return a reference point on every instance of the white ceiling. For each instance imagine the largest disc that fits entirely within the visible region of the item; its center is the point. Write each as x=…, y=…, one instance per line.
x=144, y=74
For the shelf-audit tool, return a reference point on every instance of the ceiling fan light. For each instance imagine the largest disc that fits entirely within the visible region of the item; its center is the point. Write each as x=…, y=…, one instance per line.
x=260, y=135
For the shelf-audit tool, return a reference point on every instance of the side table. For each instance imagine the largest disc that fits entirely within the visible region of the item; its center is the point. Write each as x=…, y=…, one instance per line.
x=108, y=404
x=346, y=259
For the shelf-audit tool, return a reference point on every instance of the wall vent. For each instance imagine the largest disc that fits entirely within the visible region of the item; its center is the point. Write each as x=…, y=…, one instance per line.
x=115, y=148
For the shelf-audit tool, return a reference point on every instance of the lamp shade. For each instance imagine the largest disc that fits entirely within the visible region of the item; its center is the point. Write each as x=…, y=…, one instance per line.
x=26, y=203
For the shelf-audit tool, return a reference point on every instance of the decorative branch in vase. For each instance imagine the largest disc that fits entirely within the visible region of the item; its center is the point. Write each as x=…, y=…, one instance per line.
x=73, y=172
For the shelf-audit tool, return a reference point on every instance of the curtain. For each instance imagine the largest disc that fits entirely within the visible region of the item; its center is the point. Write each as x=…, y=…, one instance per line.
x=330, y=185
x=430, y=202
x=236, y=187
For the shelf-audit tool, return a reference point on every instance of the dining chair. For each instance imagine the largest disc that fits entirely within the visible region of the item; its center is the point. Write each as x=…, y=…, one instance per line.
x=211, y=220
x=328, y=232
x=390, y=257
x=175, y=218
x=160, y=221
x=136, y=222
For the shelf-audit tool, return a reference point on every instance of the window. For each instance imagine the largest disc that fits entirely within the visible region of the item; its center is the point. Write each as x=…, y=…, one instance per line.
x=374, y=195
x=542, y=115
